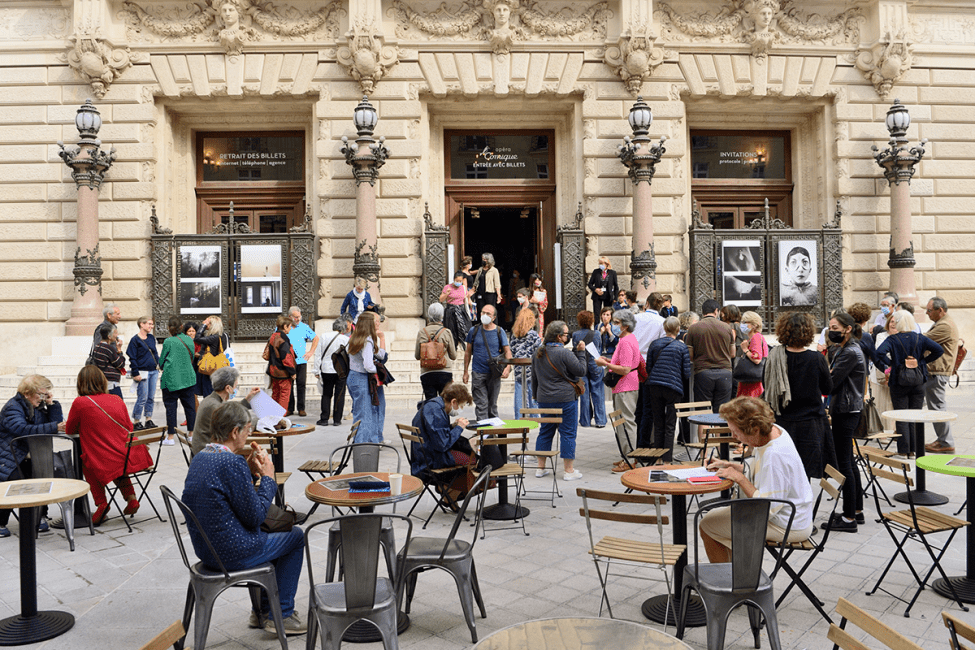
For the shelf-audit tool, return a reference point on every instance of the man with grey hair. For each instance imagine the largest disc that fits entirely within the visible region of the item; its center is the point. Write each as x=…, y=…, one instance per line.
x=435, y=373
x=328, y=380
x=299, y=336
x=485, y=343
x=224, y=382
x=944, y=332
x=111, y=315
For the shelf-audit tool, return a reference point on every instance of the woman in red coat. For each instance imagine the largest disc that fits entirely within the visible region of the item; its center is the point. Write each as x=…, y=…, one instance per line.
x=102, y=422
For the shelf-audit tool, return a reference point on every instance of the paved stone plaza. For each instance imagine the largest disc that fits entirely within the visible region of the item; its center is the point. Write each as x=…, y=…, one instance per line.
x=126, y=587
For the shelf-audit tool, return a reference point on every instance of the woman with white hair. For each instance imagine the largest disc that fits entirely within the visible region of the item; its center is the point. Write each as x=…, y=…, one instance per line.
x=434, y=359
x=487, y=283
x=357, y=301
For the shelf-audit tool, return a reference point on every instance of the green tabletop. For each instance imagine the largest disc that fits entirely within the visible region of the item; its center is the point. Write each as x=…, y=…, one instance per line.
x=939, y=463
x=519, y=424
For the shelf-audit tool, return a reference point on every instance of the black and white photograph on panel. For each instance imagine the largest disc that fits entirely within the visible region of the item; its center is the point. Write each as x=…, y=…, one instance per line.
x=260, y=279
x=741, y=273
x=199, y=296
x=798, y=273
x=198, y=262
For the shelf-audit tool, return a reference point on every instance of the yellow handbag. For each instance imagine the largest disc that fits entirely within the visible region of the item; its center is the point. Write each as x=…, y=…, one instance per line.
x=210, y=363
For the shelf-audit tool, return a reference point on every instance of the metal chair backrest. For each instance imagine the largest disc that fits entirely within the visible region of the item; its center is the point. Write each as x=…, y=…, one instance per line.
x=41, y=449
x=365, y=455
x=169, y=499
x=360, y=554
x=476, y=489
x=749, y=523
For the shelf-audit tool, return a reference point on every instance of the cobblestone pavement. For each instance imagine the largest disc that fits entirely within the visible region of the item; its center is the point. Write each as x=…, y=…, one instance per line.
x=126, y=587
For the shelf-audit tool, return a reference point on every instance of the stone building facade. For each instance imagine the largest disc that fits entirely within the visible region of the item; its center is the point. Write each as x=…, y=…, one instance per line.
x=167, y=74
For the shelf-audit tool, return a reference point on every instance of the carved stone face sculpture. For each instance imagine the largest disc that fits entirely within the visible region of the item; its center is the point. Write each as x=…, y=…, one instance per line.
x=230, y=15
x=502, y=14
x=764, y=18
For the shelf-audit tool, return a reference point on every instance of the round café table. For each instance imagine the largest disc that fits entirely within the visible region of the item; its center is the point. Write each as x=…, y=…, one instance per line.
x=580, y=634
x=504, y=510
x=921, y=495
x=319, y=492
x=655, y=608
x=32, y=626
x=964, y=585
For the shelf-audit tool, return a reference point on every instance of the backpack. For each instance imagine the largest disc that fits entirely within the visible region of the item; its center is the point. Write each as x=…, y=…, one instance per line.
x=433, y=353
x=340, y=361
x=909, y=374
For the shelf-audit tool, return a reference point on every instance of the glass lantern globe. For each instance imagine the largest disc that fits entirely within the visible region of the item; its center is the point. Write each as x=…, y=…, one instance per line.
x=88, y=120
x=365, y=117
x=640, y=117
x=898, y=119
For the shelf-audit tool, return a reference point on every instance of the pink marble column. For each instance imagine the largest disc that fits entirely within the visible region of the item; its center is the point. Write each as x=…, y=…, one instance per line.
x=366, y=156
x=899, y=164
x=640, y=156
x=88, y=165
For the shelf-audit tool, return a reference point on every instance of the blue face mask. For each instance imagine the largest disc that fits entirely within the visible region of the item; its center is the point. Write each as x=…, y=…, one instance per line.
x=233, y=395
x=457, y=284
x=885, y=310
x=602, y=267
x=744, y=328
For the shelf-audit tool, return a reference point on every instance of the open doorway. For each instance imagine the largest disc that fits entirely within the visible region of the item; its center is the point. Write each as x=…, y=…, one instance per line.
x=510, y=233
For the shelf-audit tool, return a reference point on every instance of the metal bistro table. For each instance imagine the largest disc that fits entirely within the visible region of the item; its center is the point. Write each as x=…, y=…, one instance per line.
x=32, y=626
x=318, y=491
x=921, y=495
x=503, y=510
x=964, y=585
x=580, y=634
x=655, y=608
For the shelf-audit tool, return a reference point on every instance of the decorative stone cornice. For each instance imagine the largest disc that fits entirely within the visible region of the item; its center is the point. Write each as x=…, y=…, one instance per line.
x=634, y=58
x=759, y=24
x=231, y=23
x=885, y=62
x=367, y=57
x=96, y=61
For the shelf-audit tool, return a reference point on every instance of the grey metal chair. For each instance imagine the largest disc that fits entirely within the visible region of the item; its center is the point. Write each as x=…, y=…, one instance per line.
x=455, y=556
x=365, y=458
x=41, y=449
x=723, y=587
x=362, y=594
x=206, y=583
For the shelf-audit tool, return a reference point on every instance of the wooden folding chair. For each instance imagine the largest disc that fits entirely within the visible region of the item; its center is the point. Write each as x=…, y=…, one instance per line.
x=319, y=469
x=958, y=628
x=637, y=456
x=686, y=410
x=436, y=482
x=166, y=638
x=810, y=545
x=185, y=445
x=616, y=551
x=850, y=613
x=542, y=416
x=135, y=440
x=916, y=523
x=503, y=437
x=864, y=455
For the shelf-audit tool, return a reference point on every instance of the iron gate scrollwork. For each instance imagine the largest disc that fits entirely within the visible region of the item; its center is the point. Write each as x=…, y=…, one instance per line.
x=713, y=276
x=572, y=241
x=179, y=288
x=435, y=238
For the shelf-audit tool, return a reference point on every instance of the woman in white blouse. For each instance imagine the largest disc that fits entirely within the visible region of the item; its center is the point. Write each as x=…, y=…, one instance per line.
x=368, y=403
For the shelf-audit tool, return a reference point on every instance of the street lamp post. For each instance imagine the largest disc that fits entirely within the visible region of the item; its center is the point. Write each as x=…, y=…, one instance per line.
x=899, y=163
x=88, y=165
x=365, y=156
x=640, y=156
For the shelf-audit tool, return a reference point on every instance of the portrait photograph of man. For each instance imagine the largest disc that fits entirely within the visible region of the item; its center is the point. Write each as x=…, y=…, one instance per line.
x=798, y=274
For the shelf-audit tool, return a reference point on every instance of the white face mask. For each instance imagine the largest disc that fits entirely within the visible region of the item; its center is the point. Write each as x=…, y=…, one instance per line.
x=457, y=284
x=359, y=293
x=485, y=319
x=521, y=299
x=454, y=413
x=602, y=267
x=233, y=394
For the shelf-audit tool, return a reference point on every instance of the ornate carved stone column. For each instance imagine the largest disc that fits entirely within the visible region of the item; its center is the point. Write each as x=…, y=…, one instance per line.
x=640, y=156
x=88, y=165
x=366, y=156
x=898, y=163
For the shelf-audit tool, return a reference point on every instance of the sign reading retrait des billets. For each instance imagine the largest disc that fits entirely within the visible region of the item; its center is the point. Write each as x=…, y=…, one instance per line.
x=257, y=158
x=499, y=157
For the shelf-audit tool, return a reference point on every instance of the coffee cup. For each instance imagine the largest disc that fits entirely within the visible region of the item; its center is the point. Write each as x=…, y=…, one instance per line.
x=395, y=484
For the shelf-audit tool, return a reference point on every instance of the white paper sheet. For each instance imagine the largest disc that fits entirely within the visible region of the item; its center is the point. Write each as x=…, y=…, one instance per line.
x=688, y=472
x=490, y=422
x=592, y=349
x=263, y=406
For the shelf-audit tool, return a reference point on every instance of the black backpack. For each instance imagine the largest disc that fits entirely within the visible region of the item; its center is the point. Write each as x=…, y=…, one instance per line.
x=340, y=361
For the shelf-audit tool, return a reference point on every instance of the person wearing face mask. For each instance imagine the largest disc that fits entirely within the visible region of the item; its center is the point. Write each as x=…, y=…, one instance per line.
x=485, y=343
x=521, y=302
x=225, y=382
x=433, y=379
x=603, y=285
x=444, y=444
x=514, y=284
x=357, y=301
x=456, y=317
x=755, y=349
x=887, y=305
x=487, y=283
x=539, y=298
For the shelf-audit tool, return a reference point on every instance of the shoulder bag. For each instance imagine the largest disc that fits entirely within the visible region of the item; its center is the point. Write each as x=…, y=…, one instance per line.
x=210, y=363
x=325, y=349
x=578, y=386
x=495, y=364
x=279, y=519
x=960, y=355
x=746, y=372
x=193, y=359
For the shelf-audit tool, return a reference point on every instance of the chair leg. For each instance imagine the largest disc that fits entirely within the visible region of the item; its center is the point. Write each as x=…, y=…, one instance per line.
x=312, y=621
x=67, y=516
x=755, y=622
x=477, y=589
x=602, y=584
x=766, y=604
x=465, y=589
x=685, y=595
x=717, y=624
x=270, y=585
x=87, y=508
x=201, y=628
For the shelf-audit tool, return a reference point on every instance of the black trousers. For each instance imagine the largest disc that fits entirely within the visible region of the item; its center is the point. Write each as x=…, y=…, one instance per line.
x=298, y=386
x=333, y=398
x=644, y=417
x=186, y=397
x=662, y=402
x=844, y=426
x=485, y=299
x=906, y=398
x=433, y=382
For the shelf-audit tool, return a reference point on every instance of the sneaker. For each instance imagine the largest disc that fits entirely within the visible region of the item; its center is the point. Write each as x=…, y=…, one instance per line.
x=937, y=447
x=293, y=625
x=255, y=622
x=322, y=423
x=42, y=526
x=574, y=476
x=152, y=425
x=539, y=473
x=839, y=524
x=4, y=531
x=169, y=442
x=56, y=523
x=860, y=519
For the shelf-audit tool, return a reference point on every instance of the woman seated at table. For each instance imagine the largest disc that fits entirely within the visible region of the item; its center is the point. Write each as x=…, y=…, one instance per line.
x=230, y=496
x=101, y=421
x=780, y=475
x=32, y=410
x=444, y=444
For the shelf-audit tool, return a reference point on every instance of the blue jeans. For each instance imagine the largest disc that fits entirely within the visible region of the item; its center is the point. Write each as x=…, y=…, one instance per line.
x=371, y=418
x=592, y=404
x=567, y=430
x=532, y=404
x=285, y=552
x=145, y=394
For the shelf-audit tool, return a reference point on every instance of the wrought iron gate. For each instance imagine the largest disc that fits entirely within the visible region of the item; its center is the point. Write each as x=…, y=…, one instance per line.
x=435, y=240
x=572, y=242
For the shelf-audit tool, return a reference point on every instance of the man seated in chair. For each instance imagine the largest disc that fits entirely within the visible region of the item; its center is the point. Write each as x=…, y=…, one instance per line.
x=775, y=473
x=230, y=496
